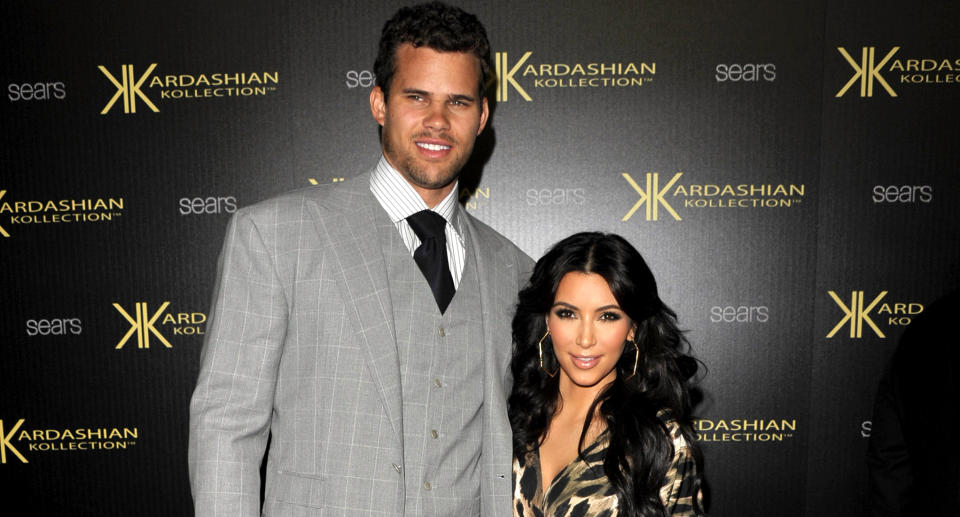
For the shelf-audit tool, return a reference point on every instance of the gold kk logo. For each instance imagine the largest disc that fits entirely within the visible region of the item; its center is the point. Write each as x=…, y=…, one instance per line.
x=856, y=314
x=5, y=444
x=505, y=74
x=652, y=196
x=2, y=231
x=128, y=88
x=142, y=325
x=867, y=71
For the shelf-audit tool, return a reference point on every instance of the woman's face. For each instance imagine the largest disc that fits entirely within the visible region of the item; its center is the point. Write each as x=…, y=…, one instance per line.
x=588, y=329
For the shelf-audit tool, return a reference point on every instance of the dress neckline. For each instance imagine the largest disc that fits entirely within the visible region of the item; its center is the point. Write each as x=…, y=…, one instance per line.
x=546, y=489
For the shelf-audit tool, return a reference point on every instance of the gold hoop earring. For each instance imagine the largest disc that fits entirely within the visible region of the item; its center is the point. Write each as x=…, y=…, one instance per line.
x=540, y=350
x=636, y=361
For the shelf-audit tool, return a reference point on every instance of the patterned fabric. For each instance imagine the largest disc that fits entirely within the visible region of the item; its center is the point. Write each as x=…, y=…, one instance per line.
x=441, y=366
x=581, y=488
x=301, y=346
x=400, y=201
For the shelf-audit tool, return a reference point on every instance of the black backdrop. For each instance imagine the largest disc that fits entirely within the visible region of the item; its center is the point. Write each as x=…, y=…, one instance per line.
x=788, y=169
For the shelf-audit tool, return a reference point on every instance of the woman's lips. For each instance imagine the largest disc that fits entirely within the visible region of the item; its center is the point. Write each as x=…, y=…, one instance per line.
x=585, y=362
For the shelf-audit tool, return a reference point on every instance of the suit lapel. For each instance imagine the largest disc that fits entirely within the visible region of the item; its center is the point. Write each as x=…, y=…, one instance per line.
x=349, y=225
x=494, y=270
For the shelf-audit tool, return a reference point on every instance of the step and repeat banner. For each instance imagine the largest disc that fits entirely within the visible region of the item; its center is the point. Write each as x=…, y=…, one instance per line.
x=788, y=169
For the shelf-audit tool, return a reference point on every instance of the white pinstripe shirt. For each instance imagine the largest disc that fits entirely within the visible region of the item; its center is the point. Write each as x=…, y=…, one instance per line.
x=400, y=201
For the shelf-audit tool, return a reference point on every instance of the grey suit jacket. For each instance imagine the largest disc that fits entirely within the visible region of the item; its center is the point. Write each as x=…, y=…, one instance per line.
x=300, y=346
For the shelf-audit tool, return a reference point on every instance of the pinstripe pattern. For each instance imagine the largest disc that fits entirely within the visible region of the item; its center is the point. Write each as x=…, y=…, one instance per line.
x=400, y=201
x=301, y=345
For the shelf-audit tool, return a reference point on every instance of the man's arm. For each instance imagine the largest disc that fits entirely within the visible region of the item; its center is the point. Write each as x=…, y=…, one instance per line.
x=232, y=404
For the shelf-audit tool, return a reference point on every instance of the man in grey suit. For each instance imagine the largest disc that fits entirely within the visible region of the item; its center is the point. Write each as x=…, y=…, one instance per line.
x=364, y=326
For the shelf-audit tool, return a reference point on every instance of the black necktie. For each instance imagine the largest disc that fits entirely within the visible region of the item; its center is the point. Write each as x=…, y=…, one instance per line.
x=431, y=255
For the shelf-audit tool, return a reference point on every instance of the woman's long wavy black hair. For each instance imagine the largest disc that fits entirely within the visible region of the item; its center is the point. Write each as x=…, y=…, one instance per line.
x=640, y=449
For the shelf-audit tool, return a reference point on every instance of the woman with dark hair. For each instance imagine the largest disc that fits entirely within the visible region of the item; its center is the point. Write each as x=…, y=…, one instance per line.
x=601, y=403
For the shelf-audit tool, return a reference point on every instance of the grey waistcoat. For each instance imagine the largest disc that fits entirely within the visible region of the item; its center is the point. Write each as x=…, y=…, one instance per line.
x=441, y=372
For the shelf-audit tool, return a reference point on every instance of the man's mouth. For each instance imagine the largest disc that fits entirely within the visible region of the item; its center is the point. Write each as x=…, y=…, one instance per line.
x=433, y=147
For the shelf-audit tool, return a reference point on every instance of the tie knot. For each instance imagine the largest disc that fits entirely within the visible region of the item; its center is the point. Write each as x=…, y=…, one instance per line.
x=427, y=224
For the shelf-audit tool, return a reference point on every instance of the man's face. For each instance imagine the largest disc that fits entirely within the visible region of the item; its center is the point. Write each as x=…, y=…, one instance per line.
x=431, y=117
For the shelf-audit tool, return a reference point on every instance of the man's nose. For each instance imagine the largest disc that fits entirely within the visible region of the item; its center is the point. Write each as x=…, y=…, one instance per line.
x=437, y=117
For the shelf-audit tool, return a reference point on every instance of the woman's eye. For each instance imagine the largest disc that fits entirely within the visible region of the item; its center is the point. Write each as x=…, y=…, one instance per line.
x=610, y=316
x=563, y=313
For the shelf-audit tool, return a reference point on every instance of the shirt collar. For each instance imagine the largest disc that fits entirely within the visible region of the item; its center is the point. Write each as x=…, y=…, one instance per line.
x=400, y=200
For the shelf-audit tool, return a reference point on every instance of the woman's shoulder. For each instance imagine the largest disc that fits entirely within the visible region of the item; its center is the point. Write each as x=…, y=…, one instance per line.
x=681, y=492
x=674, y=430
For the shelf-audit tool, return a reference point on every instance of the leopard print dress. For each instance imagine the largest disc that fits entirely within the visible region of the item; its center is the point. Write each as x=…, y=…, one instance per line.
x=581, y=488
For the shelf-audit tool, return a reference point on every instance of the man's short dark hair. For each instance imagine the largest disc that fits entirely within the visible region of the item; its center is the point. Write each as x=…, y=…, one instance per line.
x=435, y=25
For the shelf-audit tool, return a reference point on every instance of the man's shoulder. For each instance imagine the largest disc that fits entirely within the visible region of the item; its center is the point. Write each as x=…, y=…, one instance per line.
x=334, y=196
x=488, y=236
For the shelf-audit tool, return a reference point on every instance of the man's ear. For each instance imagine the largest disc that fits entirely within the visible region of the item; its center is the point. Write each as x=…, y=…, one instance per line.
x=484, y=113
x=378, y=105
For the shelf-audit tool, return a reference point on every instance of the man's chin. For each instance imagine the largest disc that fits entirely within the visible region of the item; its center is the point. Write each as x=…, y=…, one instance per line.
x=435, y=185
x=431, y=179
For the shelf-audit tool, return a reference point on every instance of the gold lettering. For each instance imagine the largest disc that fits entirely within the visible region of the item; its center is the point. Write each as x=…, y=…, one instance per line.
x=5, y=443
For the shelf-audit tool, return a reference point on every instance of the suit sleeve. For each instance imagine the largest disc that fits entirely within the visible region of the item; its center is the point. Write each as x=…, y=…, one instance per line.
x=526, y=268
x=232, y=404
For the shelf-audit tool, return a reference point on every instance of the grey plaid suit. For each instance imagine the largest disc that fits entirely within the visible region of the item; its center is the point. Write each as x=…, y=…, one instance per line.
x=301, y=343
